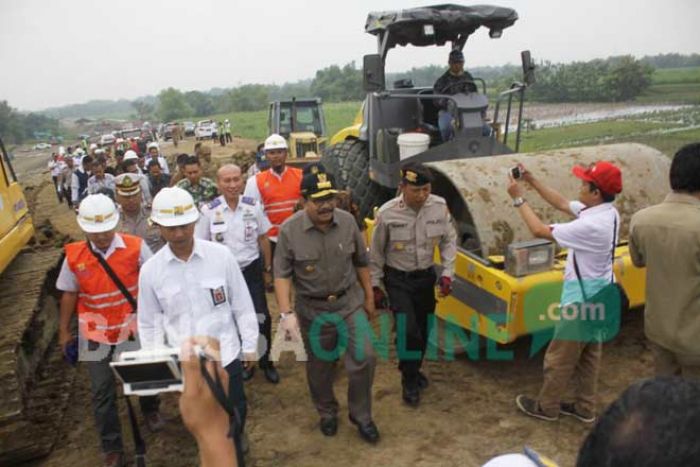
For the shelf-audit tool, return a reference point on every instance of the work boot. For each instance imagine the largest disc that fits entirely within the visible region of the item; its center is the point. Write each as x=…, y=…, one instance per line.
x=271, y=373
x=411, y=396
x=329, y=426
x=368, y=431
x=154, y=421
x=114, y=459
x=569, y=408
x=247, y=375
x=532, y=408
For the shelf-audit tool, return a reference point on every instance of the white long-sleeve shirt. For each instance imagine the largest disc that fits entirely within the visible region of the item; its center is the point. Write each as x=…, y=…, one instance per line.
x=203, y=296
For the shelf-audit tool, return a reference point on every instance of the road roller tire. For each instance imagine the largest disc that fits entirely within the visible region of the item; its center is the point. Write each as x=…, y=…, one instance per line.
x=353, y=161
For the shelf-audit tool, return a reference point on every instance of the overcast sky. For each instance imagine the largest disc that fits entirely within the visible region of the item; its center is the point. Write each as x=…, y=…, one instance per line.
x=57, y=52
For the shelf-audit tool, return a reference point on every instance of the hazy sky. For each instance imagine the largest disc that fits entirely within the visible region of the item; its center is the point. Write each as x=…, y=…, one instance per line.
x=57, y=52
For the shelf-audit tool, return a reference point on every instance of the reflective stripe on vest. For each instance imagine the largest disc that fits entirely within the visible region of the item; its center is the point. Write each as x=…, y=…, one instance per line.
x=104, y=314
x=279, y=195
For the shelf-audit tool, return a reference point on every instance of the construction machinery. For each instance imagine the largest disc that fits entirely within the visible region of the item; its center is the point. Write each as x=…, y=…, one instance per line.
x=499, y=268
x=33, y=376
x=302, y=123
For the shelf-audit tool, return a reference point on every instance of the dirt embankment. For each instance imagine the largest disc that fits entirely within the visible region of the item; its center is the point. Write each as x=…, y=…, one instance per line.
x=466, y=416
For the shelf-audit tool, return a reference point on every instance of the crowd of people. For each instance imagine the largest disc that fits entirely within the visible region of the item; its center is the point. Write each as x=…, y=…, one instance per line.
x=190, y=254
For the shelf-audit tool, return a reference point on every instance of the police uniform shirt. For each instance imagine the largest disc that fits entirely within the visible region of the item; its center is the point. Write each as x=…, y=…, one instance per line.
x=140, y=226
x=203, y=296
x=238, y=228
x=404, y=239
x=322, y=263
x=67, y=282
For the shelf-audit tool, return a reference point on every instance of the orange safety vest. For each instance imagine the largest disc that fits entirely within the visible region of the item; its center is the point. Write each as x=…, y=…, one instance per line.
x=104, y=314
x=279, y=195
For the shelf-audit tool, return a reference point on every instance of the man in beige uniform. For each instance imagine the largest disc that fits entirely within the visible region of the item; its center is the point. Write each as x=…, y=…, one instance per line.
x=666, y=239
x=209, y=167
x=134, y=215
x=407, y=230
x=322, y=251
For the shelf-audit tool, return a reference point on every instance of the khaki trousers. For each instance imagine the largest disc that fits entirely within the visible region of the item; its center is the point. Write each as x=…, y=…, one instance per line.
x=567, y=360
x=320, y=367
x=668, y=363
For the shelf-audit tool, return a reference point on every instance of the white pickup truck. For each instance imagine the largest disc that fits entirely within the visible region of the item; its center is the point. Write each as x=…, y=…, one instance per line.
x=204, y=129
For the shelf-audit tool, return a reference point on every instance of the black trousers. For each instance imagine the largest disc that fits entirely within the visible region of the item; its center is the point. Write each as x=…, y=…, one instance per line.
x=412, y=300
x=229, y=139
x=104, y=400
x=253, y=275
x=236, y=391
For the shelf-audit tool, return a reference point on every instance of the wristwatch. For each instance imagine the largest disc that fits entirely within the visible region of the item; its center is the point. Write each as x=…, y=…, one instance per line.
x=519, y=201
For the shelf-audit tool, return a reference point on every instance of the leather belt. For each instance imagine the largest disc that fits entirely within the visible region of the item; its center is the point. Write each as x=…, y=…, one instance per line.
x=418, y=273
x=328, y=298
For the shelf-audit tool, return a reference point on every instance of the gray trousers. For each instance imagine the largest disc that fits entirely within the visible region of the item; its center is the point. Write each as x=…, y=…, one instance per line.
x=104, y=403
x=320, y=343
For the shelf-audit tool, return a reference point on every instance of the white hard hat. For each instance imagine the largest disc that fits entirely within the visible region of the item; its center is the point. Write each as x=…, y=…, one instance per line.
x=275, y=141
x=173, y=206
x=120, y=140
x=97, y=213
x=129, y=155
x=152, y=144
x=93, y=146
x=226, y=120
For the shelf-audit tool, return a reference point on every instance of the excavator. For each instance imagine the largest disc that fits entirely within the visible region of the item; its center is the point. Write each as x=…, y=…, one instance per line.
x=33, y=377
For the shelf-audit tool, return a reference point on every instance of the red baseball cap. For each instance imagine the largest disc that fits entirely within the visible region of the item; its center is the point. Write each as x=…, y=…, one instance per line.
x=606, y=176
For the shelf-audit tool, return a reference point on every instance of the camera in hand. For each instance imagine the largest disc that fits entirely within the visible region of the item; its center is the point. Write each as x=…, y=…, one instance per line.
x=516, y=173
x=149, y=372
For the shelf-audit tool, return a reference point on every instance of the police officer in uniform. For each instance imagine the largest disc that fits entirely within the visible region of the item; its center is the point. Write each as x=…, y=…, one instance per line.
x=406, y=232
x=240, y=223
x=134, y=219
x=321, y=250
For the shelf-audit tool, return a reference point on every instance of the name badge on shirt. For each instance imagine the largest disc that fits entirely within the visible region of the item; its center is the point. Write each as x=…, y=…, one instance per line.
x=249, y=232
x=218, y=295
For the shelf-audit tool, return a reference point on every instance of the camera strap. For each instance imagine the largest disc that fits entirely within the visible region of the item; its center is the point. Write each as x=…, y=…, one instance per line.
x=612, y=259
x=229, y=406
x=112, y=275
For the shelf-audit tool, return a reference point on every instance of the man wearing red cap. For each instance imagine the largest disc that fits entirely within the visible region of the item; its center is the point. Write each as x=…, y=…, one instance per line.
x=589, y=240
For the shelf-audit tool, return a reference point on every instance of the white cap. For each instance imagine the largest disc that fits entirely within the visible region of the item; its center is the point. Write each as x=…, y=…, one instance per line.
x=173, y=206
x=152, y=144
x=93, y=146
x=275, y=141
x=97, y=213
x=130, y=155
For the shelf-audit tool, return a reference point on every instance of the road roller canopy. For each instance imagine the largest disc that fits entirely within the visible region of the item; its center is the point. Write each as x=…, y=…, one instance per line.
x=435, y=25
x=487, y=222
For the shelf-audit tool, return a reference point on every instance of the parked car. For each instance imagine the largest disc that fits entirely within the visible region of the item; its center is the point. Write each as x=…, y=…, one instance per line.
x=107, y=139
x=204, y=129
x=42, y=146
x=167, y=130
x=189, y=128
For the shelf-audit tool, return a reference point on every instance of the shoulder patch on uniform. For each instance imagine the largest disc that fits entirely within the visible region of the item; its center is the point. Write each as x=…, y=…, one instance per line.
x=214, y=203
x=248, y=200
x=438, y=199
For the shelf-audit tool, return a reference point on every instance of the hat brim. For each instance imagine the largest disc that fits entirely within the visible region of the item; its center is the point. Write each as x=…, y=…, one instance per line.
x=129, y=193
x=101, y=227
x=582, y=173
x=177, y=220
x=323, y=194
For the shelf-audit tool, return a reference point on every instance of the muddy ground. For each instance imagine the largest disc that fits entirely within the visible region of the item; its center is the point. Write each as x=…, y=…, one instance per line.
x=466, y=416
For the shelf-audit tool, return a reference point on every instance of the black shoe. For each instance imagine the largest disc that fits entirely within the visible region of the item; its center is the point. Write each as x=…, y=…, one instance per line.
x=247, y=375
x=532, y=408
x=271, y=374
x=423, y=382
x=329, y=426
x=568, y=408
x=368, y=431
x=411, y=396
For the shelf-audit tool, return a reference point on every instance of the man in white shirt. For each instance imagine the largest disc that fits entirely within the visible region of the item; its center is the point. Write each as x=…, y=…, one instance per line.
x=240, y=224
x=55, y=166
x=154, y=154
x=589, y=240
x=101, y=182
x=193, y=287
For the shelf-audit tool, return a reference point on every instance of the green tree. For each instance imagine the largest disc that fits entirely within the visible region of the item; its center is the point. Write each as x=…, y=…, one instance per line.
x=144, y=110
x=200, y=103
x=172, y=105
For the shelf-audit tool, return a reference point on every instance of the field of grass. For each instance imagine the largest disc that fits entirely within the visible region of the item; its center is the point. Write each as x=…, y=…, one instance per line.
x=253, y=125
x=673, y=86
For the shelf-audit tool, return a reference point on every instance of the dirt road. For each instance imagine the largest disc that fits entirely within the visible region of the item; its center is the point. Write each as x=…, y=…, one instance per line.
x=466, y=416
